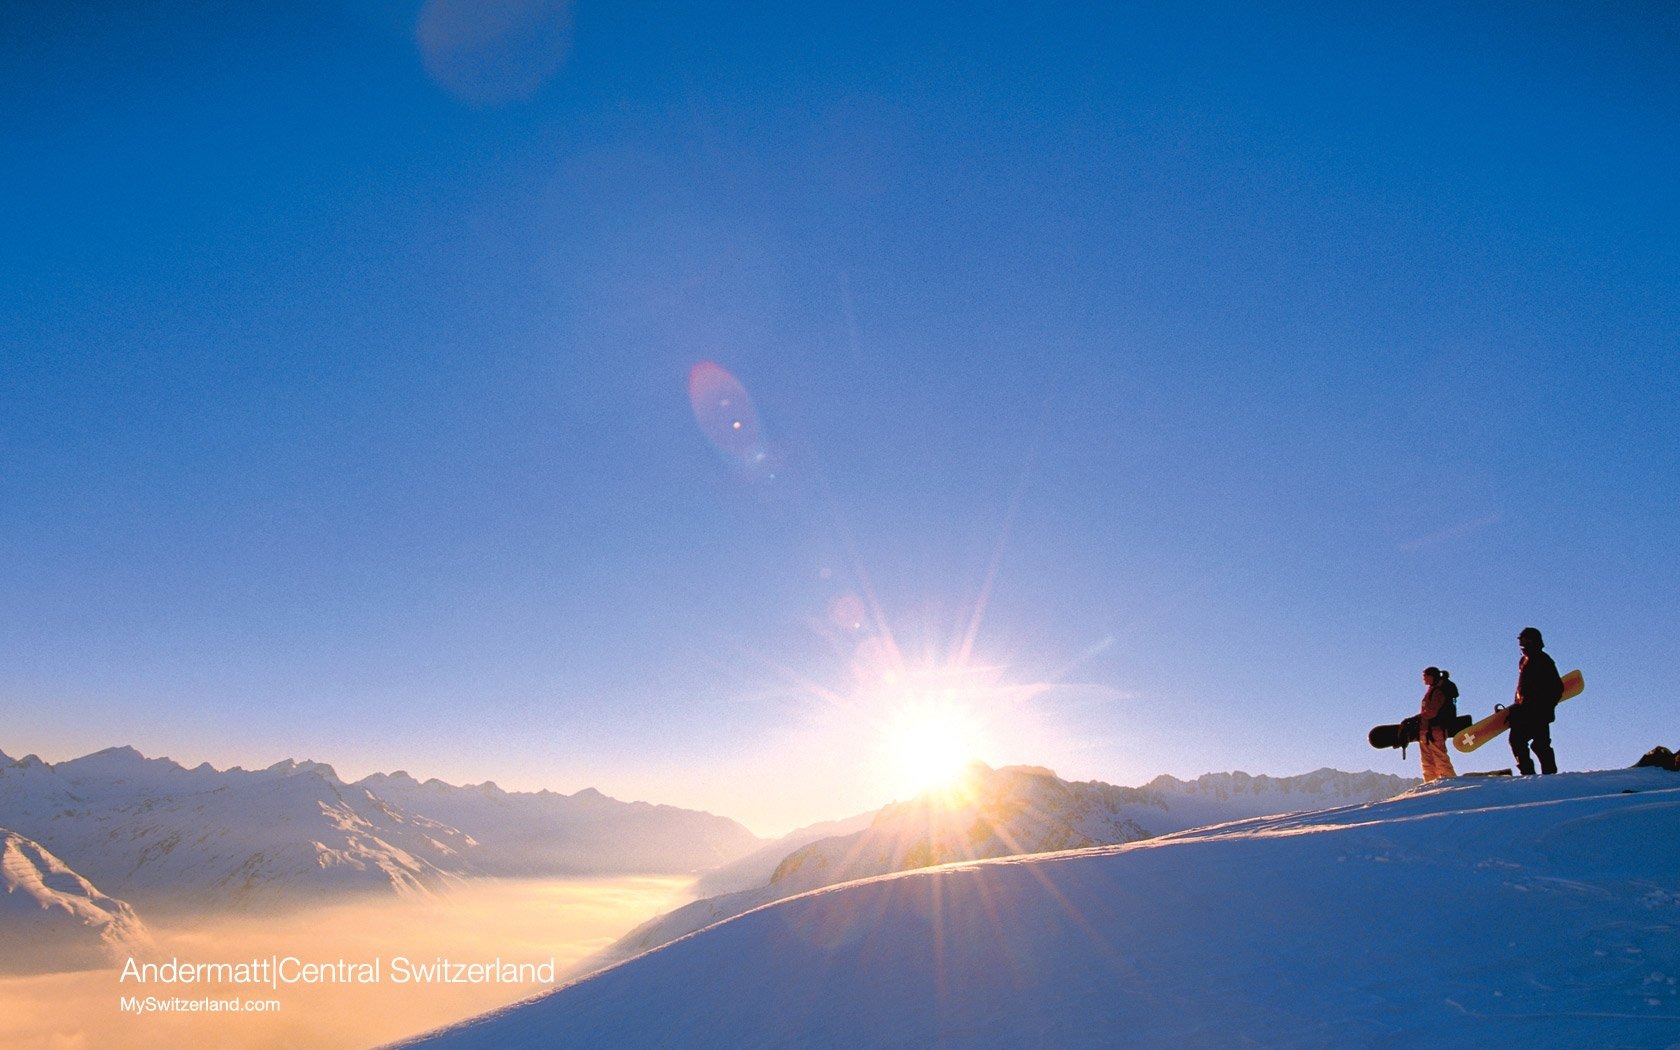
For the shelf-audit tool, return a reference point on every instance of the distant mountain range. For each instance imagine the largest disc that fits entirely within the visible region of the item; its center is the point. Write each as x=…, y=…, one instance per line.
x=543, y=833
x=1005, y=812
x=161, y=836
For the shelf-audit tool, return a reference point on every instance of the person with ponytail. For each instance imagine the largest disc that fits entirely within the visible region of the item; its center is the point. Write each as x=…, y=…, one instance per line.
x=1440, y=704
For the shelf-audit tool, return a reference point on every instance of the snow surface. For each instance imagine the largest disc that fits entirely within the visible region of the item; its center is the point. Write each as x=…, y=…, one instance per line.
x=1465, y=913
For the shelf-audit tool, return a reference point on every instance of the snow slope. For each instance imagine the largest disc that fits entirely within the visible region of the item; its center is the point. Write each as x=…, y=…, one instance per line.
x=998, y=813
x=1465, y=913
x=53, y=919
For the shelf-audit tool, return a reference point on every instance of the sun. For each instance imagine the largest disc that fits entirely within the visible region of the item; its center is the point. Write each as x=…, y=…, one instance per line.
x=929, y=745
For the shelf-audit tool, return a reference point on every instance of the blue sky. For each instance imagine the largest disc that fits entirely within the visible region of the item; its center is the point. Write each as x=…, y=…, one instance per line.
x=1163, y=387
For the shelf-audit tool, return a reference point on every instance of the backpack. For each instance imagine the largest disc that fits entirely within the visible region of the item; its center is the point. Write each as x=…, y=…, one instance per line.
x=1448, y=717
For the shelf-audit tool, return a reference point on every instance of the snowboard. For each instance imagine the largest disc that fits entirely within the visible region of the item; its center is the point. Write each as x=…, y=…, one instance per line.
x=1396, y=735
x=1402, y=734
x=1496, y=723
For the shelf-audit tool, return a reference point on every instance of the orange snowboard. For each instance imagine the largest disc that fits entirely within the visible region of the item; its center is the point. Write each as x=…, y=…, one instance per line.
x=1496, y=723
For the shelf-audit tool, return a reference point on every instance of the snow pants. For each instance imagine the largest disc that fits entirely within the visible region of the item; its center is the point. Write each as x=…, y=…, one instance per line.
x=1432, y=746
x=1539, y=737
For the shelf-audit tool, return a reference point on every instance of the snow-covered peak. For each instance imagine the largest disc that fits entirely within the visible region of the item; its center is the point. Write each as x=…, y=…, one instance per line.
x=376, y=780
x=987, y=813
x=124, y=766
x=110, y=761
x=52, y=918
x=289, y=767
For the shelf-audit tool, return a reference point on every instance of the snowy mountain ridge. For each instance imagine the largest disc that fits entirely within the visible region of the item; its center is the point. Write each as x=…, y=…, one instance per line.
x=546, y=833
x=161, y=835
x=1538, y=911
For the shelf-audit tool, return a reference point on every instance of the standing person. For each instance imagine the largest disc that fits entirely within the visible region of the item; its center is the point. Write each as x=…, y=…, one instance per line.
x=1539, y=688
x=1440, y=703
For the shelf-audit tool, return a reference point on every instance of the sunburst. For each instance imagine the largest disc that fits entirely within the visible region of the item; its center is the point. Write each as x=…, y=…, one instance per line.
x=929, y=744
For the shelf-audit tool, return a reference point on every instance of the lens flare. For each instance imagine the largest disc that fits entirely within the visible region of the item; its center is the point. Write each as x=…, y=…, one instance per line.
x=492, y=52
x=725, y=413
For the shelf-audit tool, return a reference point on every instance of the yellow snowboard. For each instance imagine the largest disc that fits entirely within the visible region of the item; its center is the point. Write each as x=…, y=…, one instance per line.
x=1496, y=723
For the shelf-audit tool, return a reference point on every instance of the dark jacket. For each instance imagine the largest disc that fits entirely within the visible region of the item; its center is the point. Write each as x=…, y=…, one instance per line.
x=1539, y=688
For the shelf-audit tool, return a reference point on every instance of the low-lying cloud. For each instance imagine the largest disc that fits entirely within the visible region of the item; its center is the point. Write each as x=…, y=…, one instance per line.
x=347, y=973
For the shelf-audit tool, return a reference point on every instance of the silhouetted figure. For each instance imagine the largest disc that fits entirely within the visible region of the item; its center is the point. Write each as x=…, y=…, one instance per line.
x=1439, y=704
x=1539, y=688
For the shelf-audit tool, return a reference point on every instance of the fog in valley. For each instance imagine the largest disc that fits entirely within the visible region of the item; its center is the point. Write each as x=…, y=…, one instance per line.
x=520, y=922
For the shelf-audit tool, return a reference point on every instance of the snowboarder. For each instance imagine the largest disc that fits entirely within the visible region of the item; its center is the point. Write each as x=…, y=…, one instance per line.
x=1439, y=704
x=1539, y=688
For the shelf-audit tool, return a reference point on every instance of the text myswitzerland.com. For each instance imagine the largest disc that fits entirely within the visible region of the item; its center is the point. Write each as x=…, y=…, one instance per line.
x=152, y=1004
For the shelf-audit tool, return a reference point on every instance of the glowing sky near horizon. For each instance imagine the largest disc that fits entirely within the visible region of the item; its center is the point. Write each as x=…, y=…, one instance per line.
x=556, y=395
